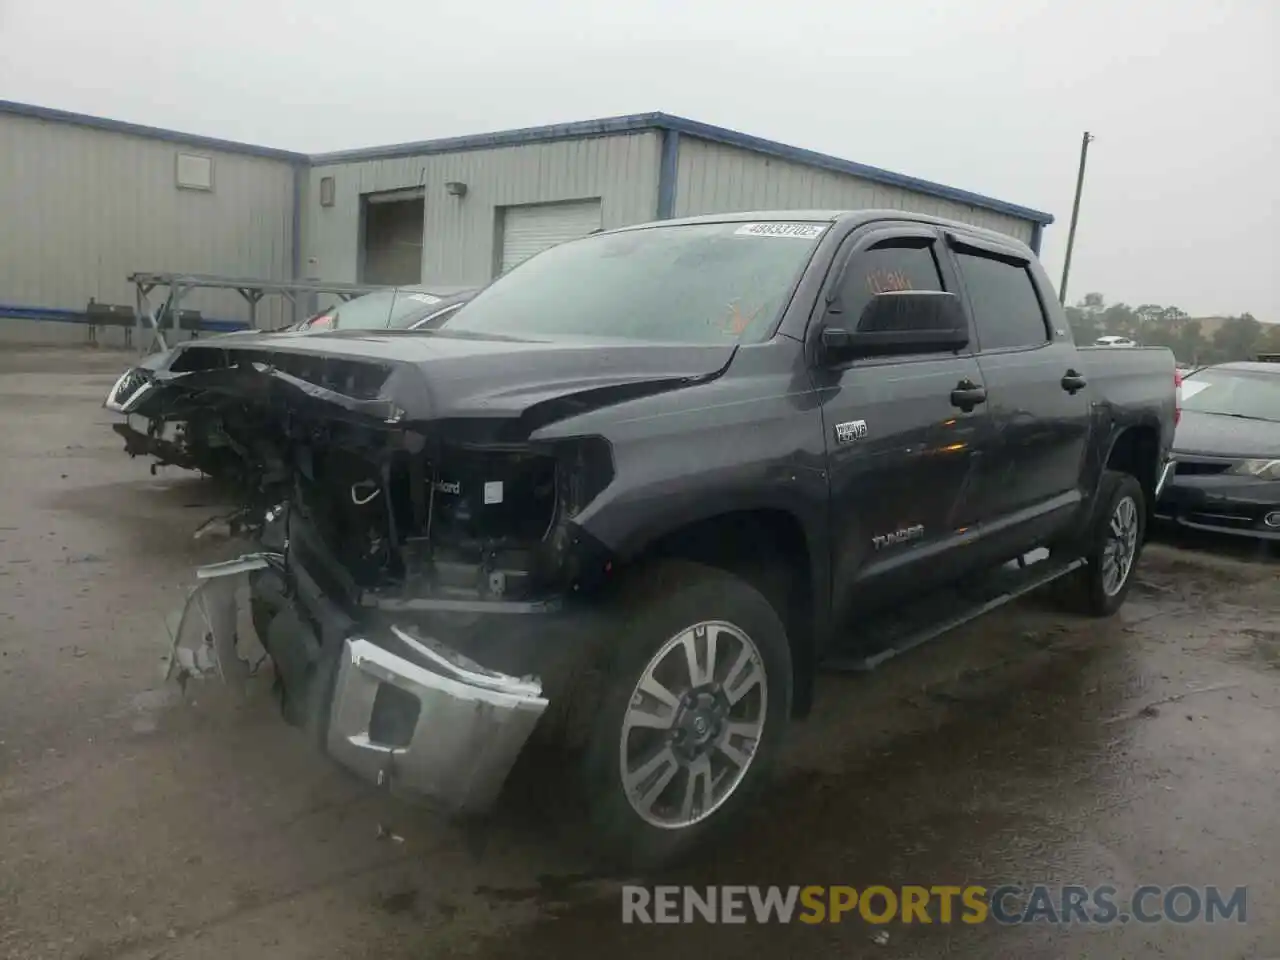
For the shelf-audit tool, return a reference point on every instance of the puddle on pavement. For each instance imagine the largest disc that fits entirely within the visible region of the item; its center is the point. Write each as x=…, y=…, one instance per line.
x=1258, y=646
x=148, y=706
x=1016, y=753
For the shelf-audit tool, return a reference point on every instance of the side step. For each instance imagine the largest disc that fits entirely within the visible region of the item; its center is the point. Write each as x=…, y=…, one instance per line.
x=899, y=631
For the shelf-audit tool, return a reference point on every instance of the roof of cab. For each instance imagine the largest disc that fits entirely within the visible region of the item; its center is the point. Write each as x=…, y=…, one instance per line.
x=846, y=217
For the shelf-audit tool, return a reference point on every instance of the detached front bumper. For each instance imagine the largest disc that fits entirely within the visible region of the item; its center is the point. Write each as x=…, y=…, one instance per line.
x=436, y=726
x=399, y=708
x=433, y=703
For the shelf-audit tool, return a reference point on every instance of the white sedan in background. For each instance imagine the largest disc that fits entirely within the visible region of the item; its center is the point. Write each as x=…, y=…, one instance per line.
x=1112, y=341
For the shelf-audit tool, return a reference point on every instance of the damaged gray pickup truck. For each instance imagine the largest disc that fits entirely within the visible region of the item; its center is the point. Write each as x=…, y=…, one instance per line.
x=638, y=491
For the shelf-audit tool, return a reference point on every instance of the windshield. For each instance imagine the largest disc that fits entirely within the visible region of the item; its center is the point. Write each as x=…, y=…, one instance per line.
x=1233, y=392
x=696, y=283
x=395, y=308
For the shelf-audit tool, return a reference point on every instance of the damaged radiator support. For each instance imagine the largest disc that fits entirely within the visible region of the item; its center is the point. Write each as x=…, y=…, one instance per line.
x=408, y=501
x=442, y=520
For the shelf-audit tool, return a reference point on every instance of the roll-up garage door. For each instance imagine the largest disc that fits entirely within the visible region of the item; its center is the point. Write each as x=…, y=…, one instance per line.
x=530, y=229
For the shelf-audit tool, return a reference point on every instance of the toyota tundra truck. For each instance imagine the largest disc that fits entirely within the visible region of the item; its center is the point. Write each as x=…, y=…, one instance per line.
x=633, y=496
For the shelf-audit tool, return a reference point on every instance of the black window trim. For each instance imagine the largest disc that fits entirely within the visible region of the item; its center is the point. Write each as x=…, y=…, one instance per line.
x=865, y=238
x=987, y=248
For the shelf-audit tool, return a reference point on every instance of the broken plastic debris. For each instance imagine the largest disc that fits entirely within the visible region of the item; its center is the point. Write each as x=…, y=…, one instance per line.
x=214, y=527
x=385, y=834
x=204, y=641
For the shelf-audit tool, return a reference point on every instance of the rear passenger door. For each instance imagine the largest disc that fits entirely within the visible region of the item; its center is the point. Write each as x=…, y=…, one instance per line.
x=901, y=448
x=1030, y=479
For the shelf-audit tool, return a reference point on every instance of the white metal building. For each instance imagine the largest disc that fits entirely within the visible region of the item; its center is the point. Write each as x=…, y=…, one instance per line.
x=86, y=201
x=475, y=206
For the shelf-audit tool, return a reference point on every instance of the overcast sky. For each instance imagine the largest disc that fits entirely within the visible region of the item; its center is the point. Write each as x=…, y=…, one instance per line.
x=989, y=95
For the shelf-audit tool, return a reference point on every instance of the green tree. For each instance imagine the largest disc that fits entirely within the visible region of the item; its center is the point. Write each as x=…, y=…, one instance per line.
x=1084, y=326
x=1238, y=337
x=1269, y=341
x=1149, y=315
x=1189, y=343
x=1086, y=318
x=1120, y=320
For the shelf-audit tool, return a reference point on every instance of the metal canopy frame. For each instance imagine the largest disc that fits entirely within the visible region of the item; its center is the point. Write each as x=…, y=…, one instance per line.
x=253, y=290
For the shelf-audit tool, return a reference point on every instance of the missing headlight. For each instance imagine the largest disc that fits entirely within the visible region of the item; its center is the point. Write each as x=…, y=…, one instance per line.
x=492, y=495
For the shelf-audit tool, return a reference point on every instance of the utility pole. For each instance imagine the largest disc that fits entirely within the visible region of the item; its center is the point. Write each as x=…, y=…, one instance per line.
x=1075, y=215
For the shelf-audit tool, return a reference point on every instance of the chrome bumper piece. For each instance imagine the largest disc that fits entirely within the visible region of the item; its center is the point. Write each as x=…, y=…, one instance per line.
x=470, y=723
x=1165, y=473
x=456, y=727
x=130, y=387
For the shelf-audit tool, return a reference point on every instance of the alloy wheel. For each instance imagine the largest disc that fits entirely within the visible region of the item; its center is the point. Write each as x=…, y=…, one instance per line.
x=693, y=724
x=1120, y=546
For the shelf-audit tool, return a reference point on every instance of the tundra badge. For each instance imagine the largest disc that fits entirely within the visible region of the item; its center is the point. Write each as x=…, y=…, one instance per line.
x=851, y=430
x=914, y=532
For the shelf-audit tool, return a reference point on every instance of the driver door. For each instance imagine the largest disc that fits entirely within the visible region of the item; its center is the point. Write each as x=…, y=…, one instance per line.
x=901, y=450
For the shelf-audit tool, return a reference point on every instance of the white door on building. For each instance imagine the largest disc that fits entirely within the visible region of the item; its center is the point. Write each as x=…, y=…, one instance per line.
x=532, y=228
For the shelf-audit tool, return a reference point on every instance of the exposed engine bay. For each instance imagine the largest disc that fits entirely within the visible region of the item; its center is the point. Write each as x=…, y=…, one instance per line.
x=455, y=522
x=405, y=509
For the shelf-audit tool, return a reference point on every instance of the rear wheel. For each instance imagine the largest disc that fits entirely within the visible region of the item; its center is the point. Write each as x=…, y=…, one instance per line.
x=696, y=703
x=1112, y=548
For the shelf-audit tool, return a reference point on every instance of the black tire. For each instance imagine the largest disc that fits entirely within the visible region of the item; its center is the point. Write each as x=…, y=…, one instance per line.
x=1086, y=591
x=664, y=602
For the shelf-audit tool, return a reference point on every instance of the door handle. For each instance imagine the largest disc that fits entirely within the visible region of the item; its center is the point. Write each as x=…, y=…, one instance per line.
x=1073, y=382
x=968, y=395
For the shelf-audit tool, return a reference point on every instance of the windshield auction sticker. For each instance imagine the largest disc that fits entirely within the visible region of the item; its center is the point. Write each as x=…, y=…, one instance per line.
x=796, y=231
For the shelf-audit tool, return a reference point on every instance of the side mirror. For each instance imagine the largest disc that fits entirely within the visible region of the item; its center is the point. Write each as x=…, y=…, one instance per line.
x=900, y=322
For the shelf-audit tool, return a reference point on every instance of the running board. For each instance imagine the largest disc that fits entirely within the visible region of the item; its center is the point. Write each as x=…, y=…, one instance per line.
x=953, y=608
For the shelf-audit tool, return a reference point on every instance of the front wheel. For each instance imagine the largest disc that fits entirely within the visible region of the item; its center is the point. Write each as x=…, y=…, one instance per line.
x=698, y=696
x=1114, y=544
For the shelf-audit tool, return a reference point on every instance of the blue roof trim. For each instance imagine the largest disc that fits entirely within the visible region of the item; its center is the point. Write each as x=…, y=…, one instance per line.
x=782, y=151
x=640, y=122
x=609, y=126
x=153, y=133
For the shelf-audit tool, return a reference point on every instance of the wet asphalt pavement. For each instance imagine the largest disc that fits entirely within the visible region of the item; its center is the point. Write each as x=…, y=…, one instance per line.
x=1031, y=747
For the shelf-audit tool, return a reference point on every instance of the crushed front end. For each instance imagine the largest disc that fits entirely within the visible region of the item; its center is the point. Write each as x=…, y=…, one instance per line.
x=420, y=600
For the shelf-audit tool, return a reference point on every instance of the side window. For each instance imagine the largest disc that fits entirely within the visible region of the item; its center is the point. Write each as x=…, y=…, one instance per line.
x=889, y=265
x=1006, y=308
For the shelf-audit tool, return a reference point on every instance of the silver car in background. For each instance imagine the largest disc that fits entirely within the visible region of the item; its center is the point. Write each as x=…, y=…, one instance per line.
x=184, y=438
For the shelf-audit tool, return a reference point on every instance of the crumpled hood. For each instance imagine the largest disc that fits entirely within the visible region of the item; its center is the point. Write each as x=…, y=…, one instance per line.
x=1217, y=435
x=403, y=377
x=161, y=359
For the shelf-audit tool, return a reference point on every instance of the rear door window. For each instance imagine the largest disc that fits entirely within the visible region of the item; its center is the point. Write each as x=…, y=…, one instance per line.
x=1006, y=307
